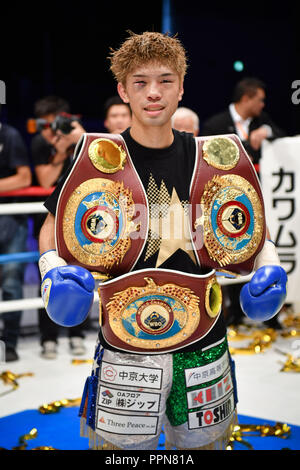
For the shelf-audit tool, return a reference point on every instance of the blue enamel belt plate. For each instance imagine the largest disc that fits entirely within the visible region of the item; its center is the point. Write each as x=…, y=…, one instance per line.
x=232, y=219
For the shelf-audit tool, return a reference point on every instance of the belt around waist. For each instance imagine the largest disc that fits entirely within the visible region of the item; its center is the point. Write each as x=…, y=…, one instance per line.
x=158, y=310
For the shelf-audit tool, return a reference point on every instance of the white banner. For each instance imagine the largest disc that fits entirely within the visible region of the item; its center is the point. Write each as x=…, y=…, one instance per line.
x=206, y=373
x=280, y=178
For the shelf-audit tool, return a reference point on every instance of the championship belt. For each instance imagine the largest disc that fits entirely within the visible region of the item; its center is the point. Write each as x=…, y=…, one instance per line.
x=227, y=209
x=102, y=214
x=158, y=310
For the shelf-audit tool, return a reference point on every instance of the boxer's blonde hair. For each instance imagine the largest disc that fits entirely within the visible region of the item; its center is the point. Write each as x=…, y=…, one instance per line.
x=140, y=49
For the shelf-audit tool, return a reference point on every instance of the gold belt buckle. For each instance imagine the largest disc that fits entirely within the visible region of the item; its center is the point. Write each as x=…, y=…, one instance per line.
x=155, y=317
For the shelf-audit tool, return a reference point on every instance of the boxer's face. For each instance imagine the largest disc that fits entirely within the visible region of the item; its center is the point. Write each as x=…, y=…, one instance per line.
x=153, y=91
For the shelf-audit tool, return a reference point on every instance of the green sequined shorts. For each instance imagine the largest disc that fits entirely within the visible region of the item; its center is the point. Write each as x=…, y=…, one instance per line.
x=199, y=379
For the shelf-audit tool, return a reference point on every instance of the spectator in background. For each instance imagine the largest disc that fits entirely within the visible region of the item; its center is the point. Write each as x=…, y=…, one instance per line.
x=52, y=151
x=246, y=118
x=117, y=115
x=184, y=119
x=15, y=173
x=51, y=154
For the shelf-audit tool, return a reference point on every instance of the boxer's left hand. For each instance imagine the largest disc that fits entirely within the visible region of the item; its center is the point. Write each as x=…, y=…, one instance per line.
x=264, y=295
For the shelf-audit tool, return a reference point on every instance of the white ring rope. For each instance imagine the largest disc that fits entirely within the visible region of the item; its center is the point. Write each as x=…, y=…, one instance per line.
x=27, y=304
x=22, y=208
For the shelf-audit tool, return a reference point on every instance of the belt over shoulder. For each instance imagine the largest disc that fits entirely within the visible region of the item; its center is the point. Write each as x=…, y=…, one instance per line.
x=102, y=214
x=226, y=206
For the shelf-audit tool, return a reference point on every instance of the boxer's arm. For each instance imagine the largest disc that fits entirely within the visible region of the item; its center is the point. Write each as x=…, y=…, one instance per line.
x=67, y=291
x=47, y=234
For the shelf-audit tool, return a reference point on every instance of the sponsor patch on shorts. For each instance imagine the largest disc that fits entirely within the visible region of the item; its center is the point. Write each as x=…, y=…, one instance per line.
x=212, y=415
x=133, y=376
x=206, y=373
x=207, y=395
x=126, y=424
x=128, y=400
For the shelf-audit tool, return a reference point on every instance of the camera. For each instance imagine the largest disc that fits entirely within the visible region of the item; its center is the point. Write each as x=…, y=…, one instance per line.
x=62, y=122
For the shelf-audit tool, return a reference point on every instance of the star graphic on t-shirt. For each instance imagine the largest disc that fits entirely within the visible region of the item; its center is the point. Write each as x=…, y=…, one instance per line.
x=168, y=223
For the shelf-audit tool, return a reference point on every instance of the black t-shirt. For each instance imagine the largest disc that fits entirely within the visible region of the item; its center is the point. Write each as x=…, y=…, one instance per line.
x=166, y=176
x=13, y=153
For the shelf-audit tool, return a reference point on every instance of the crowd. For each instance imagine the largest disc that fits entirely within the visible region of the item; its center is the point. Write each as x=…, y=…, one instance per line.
x=49, y=156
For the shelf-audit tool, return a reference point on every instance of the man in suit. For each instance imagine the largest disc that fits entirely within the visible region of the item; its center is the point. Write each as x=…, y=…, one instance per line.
x=246, y=118
x=186, y=120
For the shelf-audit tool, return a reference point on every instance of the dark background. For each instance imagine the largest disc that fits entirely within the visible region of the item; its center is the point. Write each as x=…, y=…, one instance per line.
x=62, y=48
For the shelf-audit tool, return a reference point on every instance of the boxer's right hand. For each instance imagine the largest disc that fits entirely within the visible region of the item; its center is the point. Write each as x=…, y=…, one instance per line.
x=67, y=291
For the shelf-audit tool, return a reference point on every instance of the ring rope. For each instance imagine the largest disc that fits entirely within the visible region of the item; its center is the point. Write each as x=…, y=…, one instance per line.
x=24, y=257
x=31, y=191
x=27, y=304
x=14, y=208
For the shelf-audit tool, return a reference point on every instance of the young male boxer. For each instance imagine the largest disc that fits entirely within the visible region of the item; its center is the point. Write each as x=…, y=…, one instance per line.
x=162, y=357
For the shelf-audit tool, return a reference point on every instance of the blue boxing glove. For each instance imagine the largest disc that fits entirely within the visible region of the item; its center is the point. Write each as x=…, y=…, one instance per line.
x=67, y=291
x=264, y=295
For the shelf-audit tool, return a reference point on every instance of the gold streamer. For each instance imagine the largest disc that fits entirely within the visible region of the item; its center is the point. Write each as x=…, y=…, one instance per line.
x=291, y=334
x=26, y=437
x=235, y=334
x=281, y=430
x=9, y=378
x=237, y=436
x=77, y=362
x=292, y=363
x=44, y=448
x=277, y=430
x=261, y=340
x=292, y=321
x=55, y=406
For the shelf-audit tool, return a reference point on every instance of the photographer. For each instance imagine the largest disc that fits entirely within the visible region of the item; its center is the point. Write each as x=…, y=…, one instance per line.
x=51, y=149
